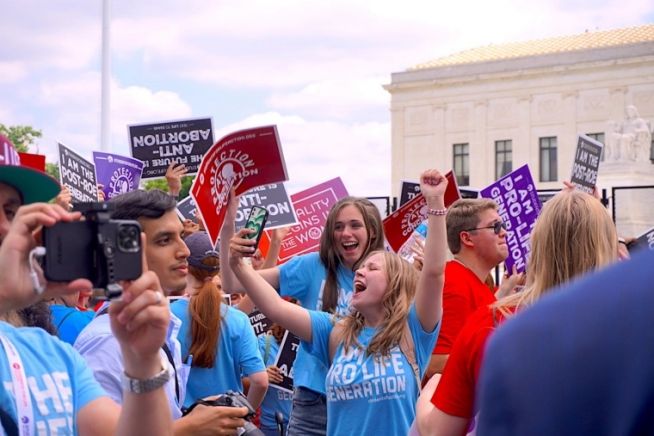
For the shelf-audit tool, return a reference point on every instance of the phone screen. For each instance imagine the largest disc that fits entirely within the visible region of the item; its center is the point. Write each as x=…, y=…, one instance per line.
x=256, y=221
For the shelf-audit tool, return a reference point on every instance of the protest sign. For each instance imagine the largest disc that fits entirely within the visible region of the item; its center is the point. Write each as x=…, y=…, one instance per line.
x=118, y=174
x=78, y=174
x=284, y=361
x=274, y=198
x=159, y=144
x=186, y=209
x=586, y=164
x=518, y=206
x=644, y=241
x=311, y=208
x=408, y=191
x=34, y=161
x=259, y=322
x=399, y=225
x=241, y=160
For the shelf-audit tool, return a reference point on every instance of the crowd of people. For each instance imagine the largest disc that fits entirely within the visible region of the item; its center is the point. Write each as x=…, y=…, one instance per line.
x=433, y=347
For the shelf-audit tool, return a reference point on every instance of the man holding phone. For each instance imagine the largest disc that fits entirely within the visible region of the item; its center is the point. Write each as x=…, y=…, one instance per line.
x=58, y=394
x=166, y=255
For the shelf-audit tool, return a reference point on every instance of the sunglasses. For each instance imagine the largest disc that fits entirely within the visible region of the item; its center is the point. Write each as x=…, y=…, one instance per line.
x=497, y=227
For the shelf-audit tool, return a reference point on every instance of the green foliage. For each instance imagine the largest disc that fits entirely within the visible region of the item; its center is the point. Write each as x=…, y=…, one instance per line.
x=52, y=169
x=161, y=184
x=22, y=136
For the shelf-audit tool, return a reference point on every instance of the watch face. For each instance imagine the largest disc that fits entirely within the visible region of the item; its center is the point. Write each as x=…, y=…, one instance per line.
x=139, y=386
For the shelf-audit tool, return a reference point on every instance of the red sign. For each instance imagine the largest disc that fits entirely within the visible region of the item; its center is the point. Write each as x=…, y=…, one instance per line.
x=243, y=160
x=311, y=207
x=34, y=161
x=399, y=225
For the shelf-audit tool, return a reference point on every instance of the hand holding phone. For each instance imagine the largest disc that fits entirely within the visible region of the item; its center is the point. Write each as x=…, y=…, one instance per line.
x=256, y=221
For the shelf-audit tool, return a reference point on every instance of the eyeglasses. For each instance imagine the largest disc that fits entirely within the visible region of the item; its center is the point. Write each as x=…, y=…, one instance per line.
x=497, y=227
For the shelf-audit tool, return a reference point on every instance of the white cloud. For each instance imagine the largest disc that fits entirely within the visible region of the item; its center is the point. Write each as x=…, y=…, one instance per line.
x=316, y=151
x=337, y=98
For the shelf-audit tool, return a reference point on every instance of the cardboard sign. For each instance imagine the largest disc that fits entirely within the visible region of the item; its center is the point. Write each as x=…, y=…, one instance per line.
x=34, y=161
x=311, y=208
x=399, y=225
x=259, y=322
x=285, y=359
x=586, y=164
x=274, y=198
x=78, y=174
x=644, y=241
x=242, y=160
x=408, y=191
x=118, y=174
x=159, y=144
x=186, y=209
x=518, y=205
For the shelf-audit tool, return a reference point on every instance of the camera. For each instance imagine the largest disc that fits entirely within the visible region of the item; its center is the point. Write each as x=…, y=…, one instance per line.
x=97, y=248
x=232, y=399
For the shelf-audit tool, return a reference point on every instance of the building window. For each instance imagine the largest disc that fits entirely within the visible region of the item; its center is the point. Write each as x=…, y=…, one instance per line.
x=461, y=164
x=503, y=158
x=599, y=137
x=548, y=159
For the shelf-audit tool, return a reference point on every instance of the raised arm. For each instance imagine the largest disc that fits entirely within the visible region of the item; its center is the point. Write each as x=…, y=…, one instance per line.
x=290, y=316
x=429, y=295
x=230, y=282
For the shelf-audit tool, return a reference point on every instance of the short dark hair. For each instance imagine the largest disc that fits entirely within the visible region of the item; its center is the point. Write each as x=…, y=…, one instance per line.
x=142, y=204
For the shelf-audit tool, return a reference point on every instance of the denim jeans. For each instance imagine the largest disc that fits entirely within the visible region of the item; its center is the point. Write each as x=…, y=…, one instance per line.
x=309, y=413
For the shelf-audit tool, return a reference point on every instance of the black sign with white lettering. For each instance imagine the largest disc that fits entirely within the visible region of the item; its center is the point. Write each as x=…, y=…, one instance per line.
x=409, y=191
x=260, y=323
x=186, y=209
x=274, y=198
x=646, y=240
x=285, y=359
x=586, y=164
x=78, y=174
x=157, y=145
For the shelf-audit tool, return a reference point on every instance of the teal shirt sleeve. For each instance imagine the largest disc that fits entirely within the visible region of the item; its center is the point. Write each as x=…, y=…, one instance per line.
x=249, y=358
x=321, y=328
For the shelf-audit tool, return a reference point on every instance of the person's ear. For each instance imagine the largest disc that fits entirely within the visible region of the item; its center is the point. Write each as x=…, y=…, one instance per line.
x=465, y=239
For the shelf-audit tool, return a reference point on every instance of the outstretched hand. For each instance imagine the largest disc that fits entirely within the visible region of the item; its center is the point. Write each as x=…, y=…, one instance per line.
x=174, y=174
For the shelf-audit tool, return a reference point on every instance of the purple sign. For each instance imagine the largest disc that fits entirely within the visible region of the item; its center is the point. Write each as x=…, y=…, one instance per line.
x=119, y=174
x=519, y=206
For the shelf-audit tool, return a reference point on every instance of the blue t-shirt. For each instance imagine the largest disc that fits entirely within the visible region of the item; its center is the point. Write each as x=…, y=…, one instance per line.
x=59, y=382
x=237, y=354
x=69, y=321
x=367, y=395
x=276, y=400
x=303, y=277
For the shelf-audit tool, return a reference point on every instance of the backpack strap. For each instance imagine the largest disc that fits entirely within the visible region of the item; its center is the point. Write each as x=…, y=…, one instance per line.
x=407, y=347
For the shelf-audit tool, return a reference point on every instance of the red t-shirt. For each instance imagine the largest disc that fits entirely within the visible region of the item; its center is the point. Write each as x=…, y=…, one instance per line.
x=463, y=293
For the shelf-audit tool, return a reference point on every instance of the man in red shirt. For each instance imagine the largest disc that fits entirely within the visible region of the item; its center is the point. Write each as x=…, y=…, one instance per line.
x=476, y=235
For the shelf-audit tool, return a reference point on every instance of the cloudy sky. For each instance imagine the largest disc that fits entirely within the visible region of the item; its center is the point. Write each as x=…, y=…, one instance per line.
x=314, y=68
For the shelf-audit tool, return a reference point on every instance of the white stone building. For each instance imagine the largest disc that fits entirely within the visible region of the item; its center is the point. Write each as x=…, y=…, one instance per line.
x=487, y=110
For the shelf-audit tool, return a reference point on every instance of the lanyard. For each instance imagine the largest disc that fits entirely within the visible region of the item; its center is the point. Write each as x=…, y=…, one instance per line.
x=21, y=390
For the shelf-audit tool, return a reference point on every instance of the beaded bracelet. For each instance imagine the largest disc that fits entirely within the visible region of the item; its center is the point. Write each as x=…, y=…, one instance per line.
x=437, y=212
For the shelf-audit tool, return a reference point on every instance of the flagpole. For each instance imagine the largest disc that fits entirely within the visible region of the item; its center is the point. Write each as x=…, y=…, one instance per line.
x=105, y=111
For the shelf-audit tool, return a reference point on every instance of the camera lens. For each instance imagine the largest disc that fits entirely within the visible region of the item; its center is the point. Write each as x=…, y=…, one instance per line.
x=129, y=238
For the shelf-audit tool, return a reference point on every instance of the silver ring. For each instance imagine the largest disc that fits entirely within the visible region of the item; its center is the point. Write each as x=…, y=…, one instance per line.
x=159, y=298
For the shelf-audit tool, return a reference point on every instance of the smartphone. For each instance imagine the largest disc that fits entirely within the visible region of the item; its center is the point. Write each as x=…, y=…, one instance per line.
x=256, y=221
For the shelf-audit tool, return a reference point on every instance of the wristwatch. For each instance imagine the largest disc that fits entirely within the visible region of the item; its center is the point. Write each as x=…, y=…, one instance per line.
x=138, y=386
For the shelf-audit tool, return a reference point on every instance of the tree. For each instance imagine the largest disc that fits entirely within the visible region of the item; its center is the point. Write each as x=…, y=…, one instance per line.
x=187, y=181
x=21, y=136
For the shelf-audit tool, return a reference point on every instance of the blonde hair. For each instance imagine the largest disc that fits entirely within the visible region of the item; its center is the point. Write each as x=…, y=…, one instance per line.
x=573, y=235
x=464, y=215
x=402, y=281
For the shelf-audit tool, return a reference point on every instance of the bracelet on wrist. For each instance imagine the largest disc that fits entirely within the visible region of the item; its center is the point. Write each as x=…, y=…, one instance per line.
x=437, y=212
